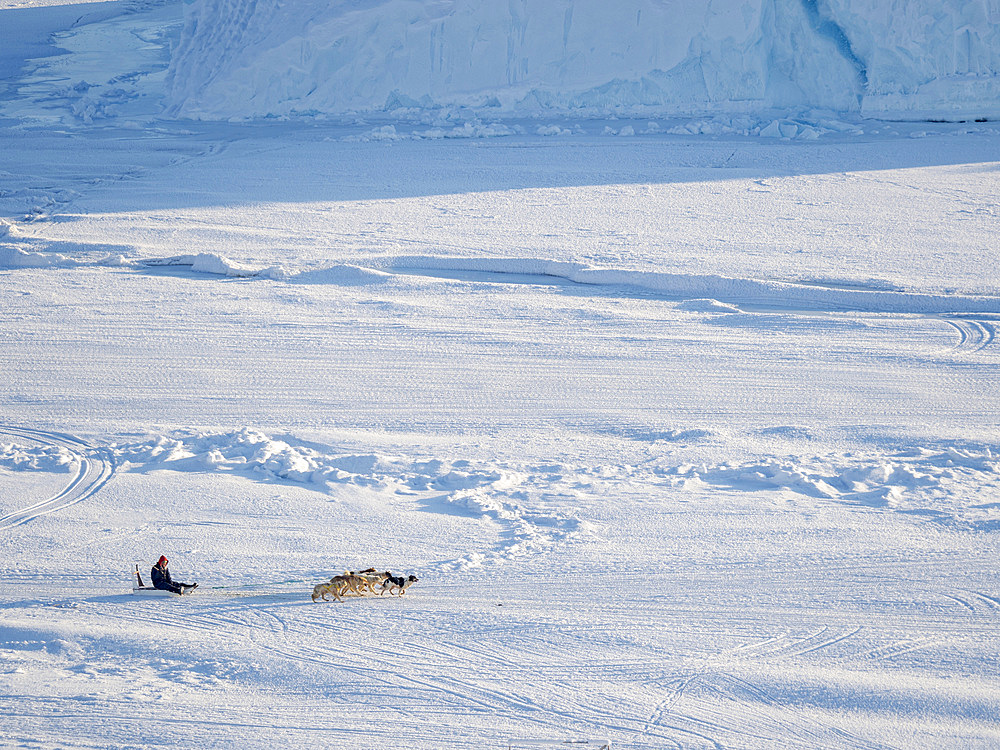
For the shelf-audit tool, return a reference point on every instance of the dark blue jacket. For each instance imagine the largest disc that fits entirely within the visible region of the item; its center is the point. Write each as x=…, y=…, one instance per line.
x=160, y=578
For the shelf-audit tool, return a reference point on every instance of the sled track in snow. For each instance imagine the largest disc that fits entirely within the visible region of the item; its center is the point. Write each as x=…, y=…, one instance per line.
x=95, y=467
x=976, y=602
x=974, y=335
x=733, y=709
x=787, y=646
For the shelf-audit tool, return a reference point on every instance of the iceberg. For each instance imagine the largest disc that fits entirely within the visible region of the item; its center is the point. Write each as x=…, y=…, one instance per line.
x=288, y=58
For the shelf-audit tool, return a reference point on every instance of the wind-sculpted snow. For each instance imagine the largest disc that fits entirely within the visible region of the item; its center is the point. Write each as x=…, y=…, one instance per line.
x=238, y=60
x=20, y=251
x=12, y=257
x=55, y=458
x=704, y=293
x=690, y=437
x=948, y=485
x=253, y=452
x=503, y=494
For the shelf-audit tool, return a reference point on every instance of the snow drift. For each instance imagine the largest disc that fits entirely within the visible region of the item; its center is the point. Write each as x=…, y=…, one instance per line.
x=274, y=58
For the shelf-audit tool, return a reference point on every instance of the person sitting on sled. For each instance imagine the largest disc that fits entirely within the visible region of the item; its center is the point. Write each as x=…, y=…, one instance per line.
x=161, y=579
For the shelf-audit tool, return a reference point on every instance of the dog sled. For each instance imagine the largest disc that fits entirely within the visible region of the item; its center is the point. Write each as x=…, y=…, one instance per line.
x=359, y=584
x=139, y=588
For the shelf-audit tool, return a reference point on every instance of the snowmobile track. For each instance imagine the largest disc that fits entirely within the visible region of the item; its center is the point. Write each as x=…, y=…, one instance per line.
x=95, y=467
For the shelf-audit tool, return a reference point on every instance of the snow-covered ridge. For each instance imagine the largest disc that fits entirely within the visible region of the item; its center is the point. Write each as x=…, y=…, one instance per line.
x=702, y=286
x=703, y=293
x=271, y=58
x=684, y=286
x=948, y=484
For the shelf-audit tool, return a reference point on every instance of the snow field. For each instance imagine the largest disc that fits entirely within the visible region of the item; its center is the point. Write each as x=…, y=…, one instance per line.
x=895, y=215
x=680, y=611
x=687, y=425
x=693, y=511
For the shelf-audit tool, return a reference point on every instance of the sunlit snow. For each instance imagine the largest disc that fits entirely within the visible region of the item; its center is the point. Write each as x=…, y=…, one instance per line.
x=658, y=340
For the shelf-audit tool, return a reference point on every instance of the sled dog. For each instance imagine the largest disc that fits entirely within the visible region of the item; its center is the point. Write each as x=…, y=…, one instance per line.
x=397, y=582
x=336, y=587
x=372, y=579
x=320, y=590
x=351, y=581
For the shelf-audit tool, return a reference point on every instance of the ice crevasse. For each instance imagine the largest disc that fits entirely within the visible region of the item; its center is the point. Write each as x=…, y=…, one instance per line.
x=921, y=58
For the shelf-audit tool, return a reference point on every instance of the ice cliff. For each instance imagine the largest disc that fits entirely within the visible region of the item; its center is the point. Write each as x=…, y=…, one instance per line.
x=258, y=58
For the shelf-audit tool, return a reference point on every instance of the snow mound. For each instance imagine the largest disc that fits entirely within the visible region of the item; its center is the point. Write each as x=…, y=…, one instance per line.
x=313, y=57
x=948, y=485
x=217, y=265
x=255, y=453
x=707, y=305
x=214, y=264
x=13, y=257
x=342, y=275
x=52, y=458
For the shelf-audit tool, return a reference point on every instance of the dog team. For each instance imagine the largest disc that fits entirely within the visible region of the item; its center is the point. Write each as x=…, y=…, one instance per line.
x=361, y=583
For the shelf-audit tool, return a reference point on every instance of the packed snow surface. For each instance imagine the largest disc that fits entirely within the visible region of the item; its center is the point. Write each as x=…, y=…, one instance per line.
x=308, y=57
x=687, y=425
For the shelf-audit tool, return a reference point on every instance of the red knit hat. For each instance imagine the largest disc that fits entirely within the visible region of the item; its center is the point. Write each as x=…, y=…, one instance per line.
x=162, y=561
